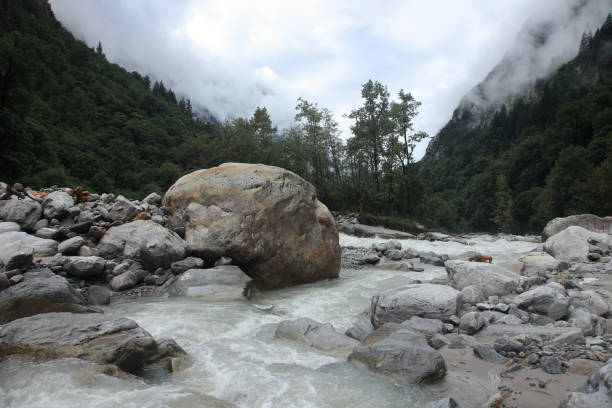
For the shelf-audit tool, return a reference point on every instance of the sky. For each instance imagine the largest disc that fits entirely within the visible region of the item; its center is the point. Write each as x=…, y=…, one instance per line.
x=232, y=56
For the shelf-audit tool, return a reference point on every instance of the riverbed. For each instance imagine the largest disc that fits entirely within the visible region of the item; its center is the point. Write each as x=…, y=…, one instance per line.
x=236, y=357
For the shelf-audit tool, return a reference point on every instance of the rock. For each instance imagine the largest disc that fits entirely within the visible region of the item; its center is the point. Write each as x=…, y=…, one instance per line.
x=596, y=393
x=122, y=210
x=4, y=282
x=551, y=365
x=315, y=334
x=13, y=242
x=7, y=226
x=361, y=330
x=431, y=258
x=507, y=345
x=487, y=352
x=47, y=233
x=42, y=223
x=544, y=300
x=591, y=324
x=425, y=326
x=509, y=319
x=153, y=199
x=71, y=246
x=443, y=403
x=472, y=294
x=401, y=354
x=98, y=295
x=40, y=292
x=589, y=300
x=535, y=263
x=265, y=218
x=491, y=279
x=190, y=262
x=24, y=212
x=558, y=335
x=103, y=339
x=588, y=221
x=583, y=366
x=423, y=300
x=145, y=241
x=96, y=232
x=124, y=281
x=16, y=256
x=84, y=266
x=82, y=227
x=224, y=260
x=56, y=205
x=572, y=245
x=471, y=322
x=225, y=282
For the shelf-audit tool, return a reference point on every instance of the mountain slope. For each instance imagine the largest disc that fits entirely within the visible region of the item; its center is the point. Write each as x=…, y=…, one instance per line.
x=530, y=158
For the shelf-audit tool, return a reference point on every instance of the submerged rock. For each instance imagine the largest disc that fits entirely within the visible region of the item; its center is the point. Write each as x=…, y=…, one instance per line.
x=224, y=282
x=315, y=334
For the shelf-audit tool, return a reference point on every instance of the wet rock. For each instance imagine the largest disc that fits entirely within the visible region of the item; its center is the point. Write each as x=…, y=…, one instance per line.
x=315, y=334
x=98, y=295
x=84, y=266
x=551, y=365
x=219, y=283
x=190, y=262
x=56, y=205
x=423, y=300
x=471, y=322
x=544, y=300
x=490, y=278
x=71, y=246
x=360, y=330
x=487, y=352
x=431, y=258
x=25, y=212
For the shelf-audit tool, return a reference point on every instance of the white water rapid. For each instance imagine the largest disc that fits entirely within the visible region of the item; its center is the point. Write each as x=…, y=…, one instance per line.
x=236, y=358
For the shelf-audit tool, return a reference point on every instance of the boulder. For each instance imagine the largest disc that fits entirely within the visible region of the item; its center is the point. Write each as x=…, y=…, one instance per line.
x=487, y=352
x=24, y=212
x=153, y=199
x=544, y=300
x=596, y=393
x=122, y=210
x=472, y=294
x=403, y=355
x=103, y=339
x=491, y=279
x=587, y=221
x=535, y=263
x=471, y=322
x=423, y=300
x=126, y=280
x=84, y=266
x=98, y=295
x=589, y=300
x=315, y=334
x=8, y=226
x=15, y=256
x=56, y=205
x=145, y=241
x=572, y=245
x=14, y=241
x=40, y=292
x=425, y=326
x=71, y=246
x=591, y=324
x=265, y=218
x=224, y=282
x=360, y=330
x=190, y=262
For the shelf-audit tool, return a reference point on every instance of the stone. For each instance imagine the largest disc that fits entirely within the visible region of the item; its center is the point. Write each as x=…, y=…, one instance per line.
x=509, y=319
x=225, y=282
x=425, y=326
x=153, y=199
x=98, y=295
x=544, y=300
x=572, y=245
x=583, y=366
x=535, y=263
x=588, y=221
x=402, y=355
x=423, y=300
x=14, y=241
x=443, y=403
x=490, y=278
x=487, y=352
x=551, y=365
x=145, y=241
x=472, y=294
x=40, y=292
x=224, y=260
x=47, y=233
x=24, y=212
x=507, y=345
x=122, y=210
x=84, y=266
x=190, y=262
x=360, y=330
x=8, y=226
x=471, y=322
x=42, y=223
x=71, y=246
x=431, y=258
x=591, y=324
x=589, y=300
x=4, y=281
x=124, y=281
x=315, y=334
x=558, y=335
x=265, y=218
x=103, y=339
x=56, y=205
x=16, y=256
x=96, y=232
x=82, y=227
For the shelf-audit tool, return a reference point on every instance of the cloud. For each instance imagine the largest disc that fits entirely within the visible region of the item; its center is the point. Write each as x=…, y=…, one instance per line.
x=232, y=56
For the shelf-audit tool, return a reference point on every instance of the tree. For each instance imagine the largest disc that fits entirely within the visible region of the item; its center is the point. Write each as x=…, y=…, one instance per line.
x=502, y=214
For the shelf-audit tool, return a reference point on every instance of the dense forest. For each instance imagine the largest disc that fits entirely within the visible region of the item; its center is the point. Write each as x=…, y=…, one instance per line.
x=68, y=116
x=533, y=159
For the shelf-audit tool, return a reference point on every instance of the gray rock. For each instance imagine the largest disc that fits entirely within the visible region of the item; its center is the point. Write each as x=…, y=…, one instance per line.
x=47, y=233
x=42, y=223
x=487, y=352
x=491, y=279
x=535, y=263
x=587, y=221
x=13, y=280
x=471, y=322
x=596, y=393
x=423, y=300
x=121, y=268
x=544, y=300
x=507, y=345
x=71, y=246
x=153, y=199
x=127, y=280
x=551, y=365
x=25, y=212
x=425, y=326
x=572, y=245
x=431, y=258
x=558, y=335
x=98, y=295
x=4, y=282
x=472, y=294
x=224, y=260
x=56, y=205
x=84, y=266
x=443, y=403
x=589, y=300
x=16, y=256
x=591, y=324
x=145, y=241
x=40, y=292
x=219, y=283
x=88, y=251
x=509, y=319
x=103, y=339
x=190, y=262
x=7, y=226
x=360, y=330
x=12, y=242
x=315, y=334
x=122, y=210
x=401, y=354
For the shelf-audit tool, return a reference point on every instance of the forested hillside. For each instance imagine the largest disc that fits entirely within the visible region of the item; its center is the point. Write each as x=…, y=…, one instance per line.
x=534, y=159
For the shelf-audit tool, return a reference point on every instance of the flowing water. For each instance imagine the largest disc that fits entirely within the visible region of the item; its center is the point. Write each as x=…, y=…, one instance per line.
x=236, y=357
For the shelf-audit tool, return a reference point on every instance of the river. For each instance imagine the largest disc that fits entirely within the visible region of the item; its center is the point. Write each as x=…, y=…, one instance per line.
x=236, y=357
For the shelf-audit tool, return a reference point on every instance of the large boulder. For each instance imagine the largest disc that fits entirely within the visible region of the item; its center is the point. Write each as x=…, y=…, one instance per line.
x=56, y=204
x=315, y=334
x=16, y=241
x=572, y=245
x=103, y=339
x=267, y=219
x=24, y=212
x=40, y=292
x=145, y=241
x=545, y=300
x=588, y=221
x=596, y=393
x=402, y=354
x=224, y=282
x=423, y=300
x=590, y=301
x=492, y=280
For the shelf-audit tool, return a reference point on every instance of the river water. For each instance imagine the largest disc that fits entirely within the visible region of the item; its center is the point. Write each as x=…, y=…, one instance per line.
x=236, y=357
